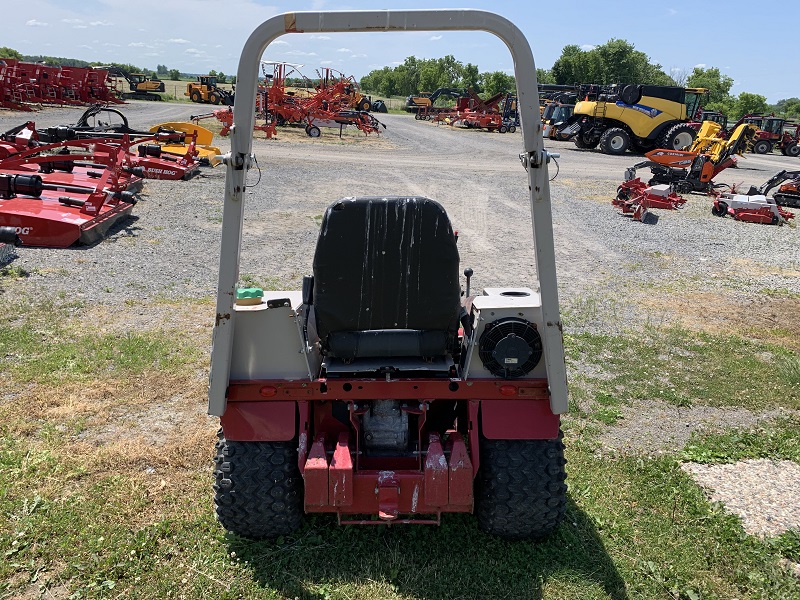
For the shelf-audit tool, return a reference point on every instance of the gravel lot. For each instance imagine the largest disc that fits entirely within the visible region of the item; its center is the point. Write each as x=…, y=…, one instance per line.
x=626, y=271
x=172, y=241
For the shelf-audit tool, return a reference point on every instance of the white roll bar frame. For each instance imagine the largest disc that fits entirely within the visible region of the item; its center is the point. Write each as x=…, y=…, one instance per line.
x=535, y=158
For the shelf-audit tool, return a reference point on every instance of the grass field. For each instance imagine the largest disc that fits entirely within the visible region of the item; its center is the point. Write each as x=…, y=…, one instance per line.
x=105, y=478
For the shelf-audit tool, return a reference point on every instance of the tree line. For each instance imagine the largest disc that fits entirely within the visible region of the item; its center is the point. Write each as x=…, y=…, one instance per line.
x=616, y=61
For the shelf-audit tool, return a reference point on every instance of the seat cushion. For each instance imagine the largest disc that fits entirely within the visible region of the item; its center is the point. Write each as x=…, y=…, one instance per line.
x=387, y=343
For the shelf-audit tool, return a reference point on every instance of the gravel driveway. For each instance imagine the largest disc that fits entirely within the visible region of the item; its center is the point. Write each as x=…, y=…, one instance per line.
x=172, y=242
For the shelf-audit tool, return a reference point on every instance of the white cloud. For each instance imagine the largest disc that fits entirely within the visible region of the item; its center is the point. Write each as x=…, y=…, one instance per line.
x=299, y=53
x=72, y=21
x=279, y=43
x=138, y=45
x=101, y=23
x=320, y=37
x=194, y=51
x=344, y=50
x=80, y=27
x=110, y=45
x=587, y=47
x=35, y=23
x=87, y=47
x=700, y=66
x=397, y=62
x=178, y=41
x=326, y=62
x=359, y=56
x=434, y=38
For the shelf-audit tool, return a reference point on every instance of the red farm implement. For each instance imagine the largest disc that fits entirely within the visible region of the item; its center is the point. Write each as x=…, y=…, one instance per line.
x=750, y=209
x=379, y=392
x=23, y=85
x=636, y=198
x=73, y=191
x=331, y=104
x=472, y=112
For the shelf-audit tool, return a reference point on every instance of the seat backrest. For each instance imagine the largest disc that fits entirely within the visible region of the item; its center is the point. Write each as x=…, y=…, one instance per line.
x=386, y=263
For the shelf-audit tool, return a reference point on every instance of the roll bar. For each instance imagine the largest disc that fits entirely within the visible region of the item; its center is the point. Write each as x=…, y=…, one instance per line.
x=534, y=158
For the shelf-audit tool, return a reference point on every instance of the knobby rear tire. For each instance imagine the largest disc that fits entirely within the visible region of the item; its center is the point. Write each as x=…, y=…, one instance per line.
x=258, y=490
x=521, y=492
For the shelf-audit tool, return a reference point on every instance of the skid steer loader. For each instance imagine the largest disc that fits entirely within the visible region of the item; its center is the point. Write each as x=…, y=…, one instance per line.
x=379, y=392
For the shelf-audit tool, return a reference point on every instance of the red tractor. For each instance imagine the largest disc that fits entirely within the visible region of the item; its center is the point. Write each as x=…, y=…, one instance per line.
x=380, y=392
x=775, y=132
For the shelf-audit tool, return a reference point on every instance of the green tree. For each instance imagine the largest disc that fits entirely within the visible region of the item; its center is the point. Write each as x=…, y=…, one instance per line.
x=545, y=76
x=498, y=81
x=788, y=107
x=571, y=66
x=616, y=61
x=718, y=85
x=162, y=70
x=747, y=103
x=470, y=77
x=174, y=74
x=221, y=77
x=6, y=52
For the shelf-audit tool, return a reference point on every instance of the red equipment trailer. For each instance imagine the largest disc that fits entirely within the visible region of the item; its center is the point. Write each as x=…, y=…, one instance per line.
x=377, y=393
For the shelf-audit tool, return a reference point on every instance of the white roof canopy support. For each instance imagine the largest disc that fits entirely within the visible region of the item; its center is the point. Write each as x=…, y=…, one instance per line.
x=386, y=21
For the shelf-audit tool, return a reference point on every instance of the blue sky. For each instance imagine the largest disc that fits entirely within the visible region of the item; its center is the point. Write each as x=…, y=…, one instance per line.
x=200, y=35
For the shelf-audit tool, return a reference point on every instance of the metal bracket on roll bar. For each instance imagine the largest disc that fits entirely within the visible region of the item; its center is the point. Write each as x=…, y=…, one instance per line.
x=239, y=162
x=537, y=159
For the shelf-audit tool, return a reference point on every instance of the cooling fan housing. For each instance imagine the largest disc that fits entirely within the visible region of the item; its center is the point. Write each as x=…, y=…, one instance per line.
x=510, y=347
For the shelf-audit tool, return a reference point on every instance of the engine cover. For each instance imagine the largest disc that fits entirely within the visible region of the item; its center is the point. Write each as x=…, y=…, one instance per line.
x=385, y=427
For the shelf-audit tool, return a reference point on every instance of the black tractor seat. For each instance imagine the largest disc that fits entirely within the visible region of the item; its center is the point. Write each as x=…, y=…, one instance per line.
x=385, y=288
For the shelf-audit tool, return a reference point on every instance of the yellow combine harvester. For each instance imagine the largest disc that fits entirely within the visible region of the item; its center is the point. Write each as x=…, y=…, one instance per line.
x=618, y=117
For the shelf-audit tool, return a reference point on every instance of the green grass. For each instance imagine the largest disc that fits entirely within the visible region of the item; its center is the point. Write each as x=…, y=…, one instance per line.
x=634, y=529
x=780, y=440
x=134, y=519
x=52, y=352
x=685, y=368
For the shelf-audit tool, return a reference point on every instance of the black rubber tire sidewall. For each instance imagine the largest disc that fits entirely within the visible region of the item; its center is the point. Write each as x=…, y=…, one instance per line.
x=258, y=490
x=608, y=138
x=669, y=137
x=762, y=147
x=520, y=492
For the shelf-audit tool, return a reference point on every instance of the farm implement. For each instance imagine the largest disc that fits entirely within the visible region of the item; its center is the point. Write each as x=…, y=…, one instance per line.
x=636, y=198
x=335, y=102
x=23, y=85
x=686, y=171
x=59, y=193
x=379, y=392
x=751, y=209
x=498, y=113
x=755, y=206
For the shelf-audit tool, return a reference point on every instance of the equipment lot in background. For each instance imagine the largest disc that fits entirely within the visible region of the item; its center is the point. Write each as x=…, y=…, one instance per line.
x=685, y=319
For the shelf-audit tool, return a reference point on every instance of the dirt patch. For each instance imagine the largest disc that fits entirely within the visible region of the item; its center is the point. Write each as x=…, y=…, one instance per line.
x=635, y=431
x=767, y=318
